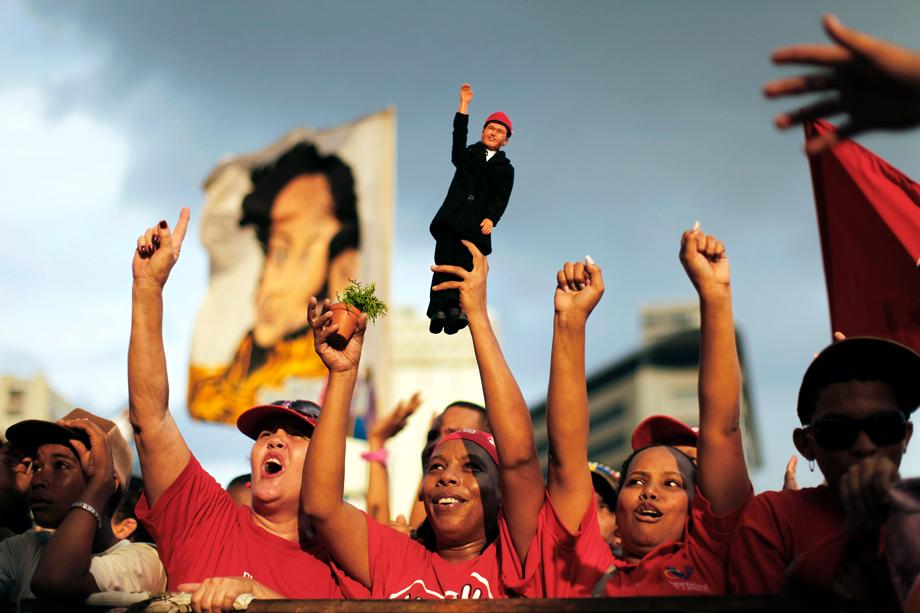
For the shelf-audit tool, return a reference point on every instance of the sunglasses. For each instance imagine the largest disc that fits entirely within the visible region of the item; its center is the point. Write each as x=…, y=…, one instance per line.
x=836, y=433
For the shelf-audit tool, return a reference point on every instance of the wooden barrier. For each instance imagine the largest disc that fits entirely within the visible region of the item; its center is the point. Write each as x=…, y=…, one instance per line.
x=689, y=603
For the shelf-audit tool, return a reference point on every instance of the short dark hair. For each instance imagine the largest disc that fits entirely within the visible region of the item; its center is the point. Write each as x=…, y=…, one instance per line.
x=604, y=490
x=125, y=510
x=435, y=432
x=240, y=480
x=304, y=159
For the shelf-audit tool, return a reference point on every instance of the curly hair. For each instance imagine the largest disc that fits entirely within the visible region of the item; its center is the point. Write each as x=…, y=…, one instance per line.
x=303, y=159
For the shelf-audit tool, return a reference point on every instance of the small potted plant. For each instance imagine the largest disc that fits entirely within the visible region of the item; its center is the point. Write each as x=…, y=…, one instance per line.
x=356, y=297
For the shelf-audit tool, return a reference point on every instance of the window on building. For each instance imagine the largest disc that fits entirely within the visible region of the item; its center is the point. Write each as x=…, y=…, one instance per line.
x=15, y=404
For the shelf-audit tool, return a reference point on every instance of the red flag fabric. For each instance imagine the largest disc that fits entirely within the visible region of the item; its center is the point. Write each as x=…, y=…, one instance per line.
x=869, y=221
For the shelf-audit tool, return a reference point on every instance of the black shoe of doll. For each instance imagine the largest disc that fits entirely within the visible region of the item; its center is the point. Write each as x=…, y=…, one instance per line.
x=456, y=321
x=438, y=321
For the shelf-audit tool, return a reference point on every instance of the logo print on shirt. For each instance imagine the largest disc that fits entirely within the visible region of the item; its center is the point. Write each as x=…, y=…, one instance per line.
x=475, y=590
x=672, y=572
x=680, y=580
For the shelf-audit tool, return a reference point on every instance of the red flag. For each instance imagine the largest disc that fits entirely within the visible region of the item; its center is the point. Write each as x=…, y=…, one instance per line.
x=869, y=220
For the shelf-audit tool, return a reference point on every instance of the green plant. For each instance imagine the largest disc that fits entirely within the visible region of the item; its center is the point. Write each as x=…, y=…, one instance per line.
x=362, y=297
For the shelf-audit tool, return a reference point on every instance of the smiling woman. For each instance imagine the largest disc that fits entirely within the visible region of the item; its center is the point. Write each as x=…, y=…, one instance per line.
x=470, y=548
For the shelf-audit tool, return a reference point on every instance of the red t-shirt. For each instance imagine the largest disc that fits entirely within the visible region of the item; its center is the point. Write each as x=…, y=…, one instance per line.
x=693, y=566
x=200, y=532
x=402, y=568
x=778, y=529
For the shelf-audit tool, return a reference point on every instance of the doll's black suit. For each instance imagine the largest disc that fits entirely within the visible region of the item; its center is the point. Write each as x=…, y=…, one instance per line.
x=479, y=190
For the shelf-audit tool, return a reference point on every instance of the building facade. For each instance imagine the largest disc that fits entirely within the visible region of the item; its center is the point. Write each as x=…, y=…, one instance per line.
x=31, y=398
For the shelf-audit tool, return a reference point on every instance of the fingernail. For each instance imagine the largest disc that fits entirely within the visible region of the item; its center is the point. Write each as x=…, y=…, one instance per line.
x=143, y=251
x=163, y=224
x=696, y=226
x=589, y=260
x=156, y=239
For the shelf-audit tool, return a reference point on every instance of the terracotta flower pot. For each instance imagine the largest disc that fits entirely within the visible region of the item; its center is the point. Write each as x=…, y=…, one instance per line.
x=346, y=317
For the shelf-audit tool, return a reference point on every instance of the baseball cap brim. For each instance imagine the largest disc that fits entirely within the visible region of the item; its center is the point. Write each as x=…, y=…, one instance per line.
x=249, y=422
x=31, y=434
x=663, y=430
x=893, y=362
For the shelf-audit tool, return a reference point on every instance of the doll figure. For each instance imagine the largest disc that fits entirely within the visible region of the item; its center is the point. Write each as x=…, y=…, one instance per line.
x=475, y=201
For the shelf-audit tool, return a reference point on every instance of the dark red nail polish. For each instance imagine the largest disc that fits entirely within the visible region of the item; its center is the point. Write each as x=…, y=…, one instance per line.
x=163, y=223
x=155, y=240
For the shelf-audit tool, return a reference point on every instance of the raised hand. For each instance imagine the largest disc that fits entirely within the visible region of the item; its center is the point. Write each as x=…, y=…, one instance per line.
x=874, y=82
x=472, y=286
x=392, y=423
x=703, y=258
x=158, y=250
x=864, y=491
x=320, y=320
x=401, y=524
x=466, y=93
x=466, y=96
x=96, y=460
x=789, y=480
x=579, y=287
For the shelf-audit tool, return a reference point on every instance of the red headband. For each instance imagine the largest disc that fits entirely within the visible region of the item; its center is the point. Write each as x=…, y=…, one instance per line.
x=483, y=439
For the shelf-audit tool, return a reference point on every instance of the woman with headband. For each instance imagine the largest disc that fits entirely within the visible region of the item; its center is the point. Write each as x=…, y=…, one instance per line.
x=475, y=538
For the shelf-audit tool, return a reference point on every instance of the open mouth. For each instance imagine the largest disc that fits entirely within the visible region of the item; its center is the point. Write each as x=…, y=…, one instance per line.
x=272, y=466
x=647, y=512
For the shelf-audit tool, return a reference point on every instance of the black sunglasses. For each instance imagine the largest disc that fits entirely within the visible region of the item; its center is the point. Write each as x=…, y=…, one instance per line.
x=836, y=432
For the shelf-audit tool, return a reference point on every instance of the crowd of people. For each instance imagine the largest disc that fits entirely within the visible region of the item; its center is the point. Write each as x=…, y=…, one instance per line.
x=679, y=517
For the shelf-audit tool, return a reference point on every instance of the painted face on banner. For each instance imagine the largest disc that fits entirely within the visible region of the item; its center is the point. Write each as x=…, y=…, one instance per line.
x=297, y=262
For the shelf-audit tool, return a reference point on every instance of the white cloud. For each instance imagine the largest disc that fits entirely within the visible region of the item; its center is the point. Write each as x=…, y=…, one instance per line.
x=69, y=167
x=61, y=178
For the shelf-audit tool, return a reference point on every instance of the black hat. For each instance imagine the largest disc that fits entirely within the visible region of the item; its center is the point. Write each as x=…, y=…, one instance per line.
x=862, y=359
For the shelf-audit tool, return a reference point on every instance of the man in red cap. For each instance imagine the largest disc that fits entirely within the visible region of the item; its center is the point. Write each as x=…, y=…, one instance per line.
x=475, y=201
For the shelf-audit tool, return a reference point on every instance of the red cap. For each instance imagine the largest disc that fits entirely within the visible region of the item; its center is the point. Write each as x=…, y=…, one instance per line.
x=663, y=430
x=483, y=439
x=249, y=420
x=499, y=117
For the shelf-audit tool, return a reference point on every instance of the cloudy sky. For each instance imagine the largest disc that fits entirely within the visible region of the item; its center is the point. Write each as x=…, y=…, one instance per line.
x=632, y=121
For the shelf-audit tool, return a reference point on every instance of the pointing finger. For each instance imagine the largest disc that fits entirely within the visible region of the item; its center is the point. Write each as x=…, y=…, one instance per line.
x=181, y=227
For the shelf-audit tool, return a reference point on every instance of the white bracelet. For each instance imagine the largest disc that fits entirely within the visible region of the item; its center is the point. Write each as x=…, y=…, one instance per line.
x=89, y=509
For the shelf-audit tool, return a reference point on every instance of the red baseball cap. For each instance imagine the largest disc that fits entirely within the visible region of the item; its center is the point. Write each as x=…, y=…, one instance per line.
x=250, y=420
x=499, y=117
x=483, y=439
x=663, y=430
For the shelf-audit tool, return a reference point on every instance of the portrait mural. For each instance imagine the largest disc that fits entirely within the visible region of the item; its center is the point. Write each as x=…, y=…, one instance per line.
x=299, y=218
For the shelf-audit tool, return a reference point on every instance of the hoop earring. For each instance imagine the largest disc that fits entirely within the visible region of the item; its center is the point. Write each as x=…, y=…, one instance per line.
x=811, y=465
